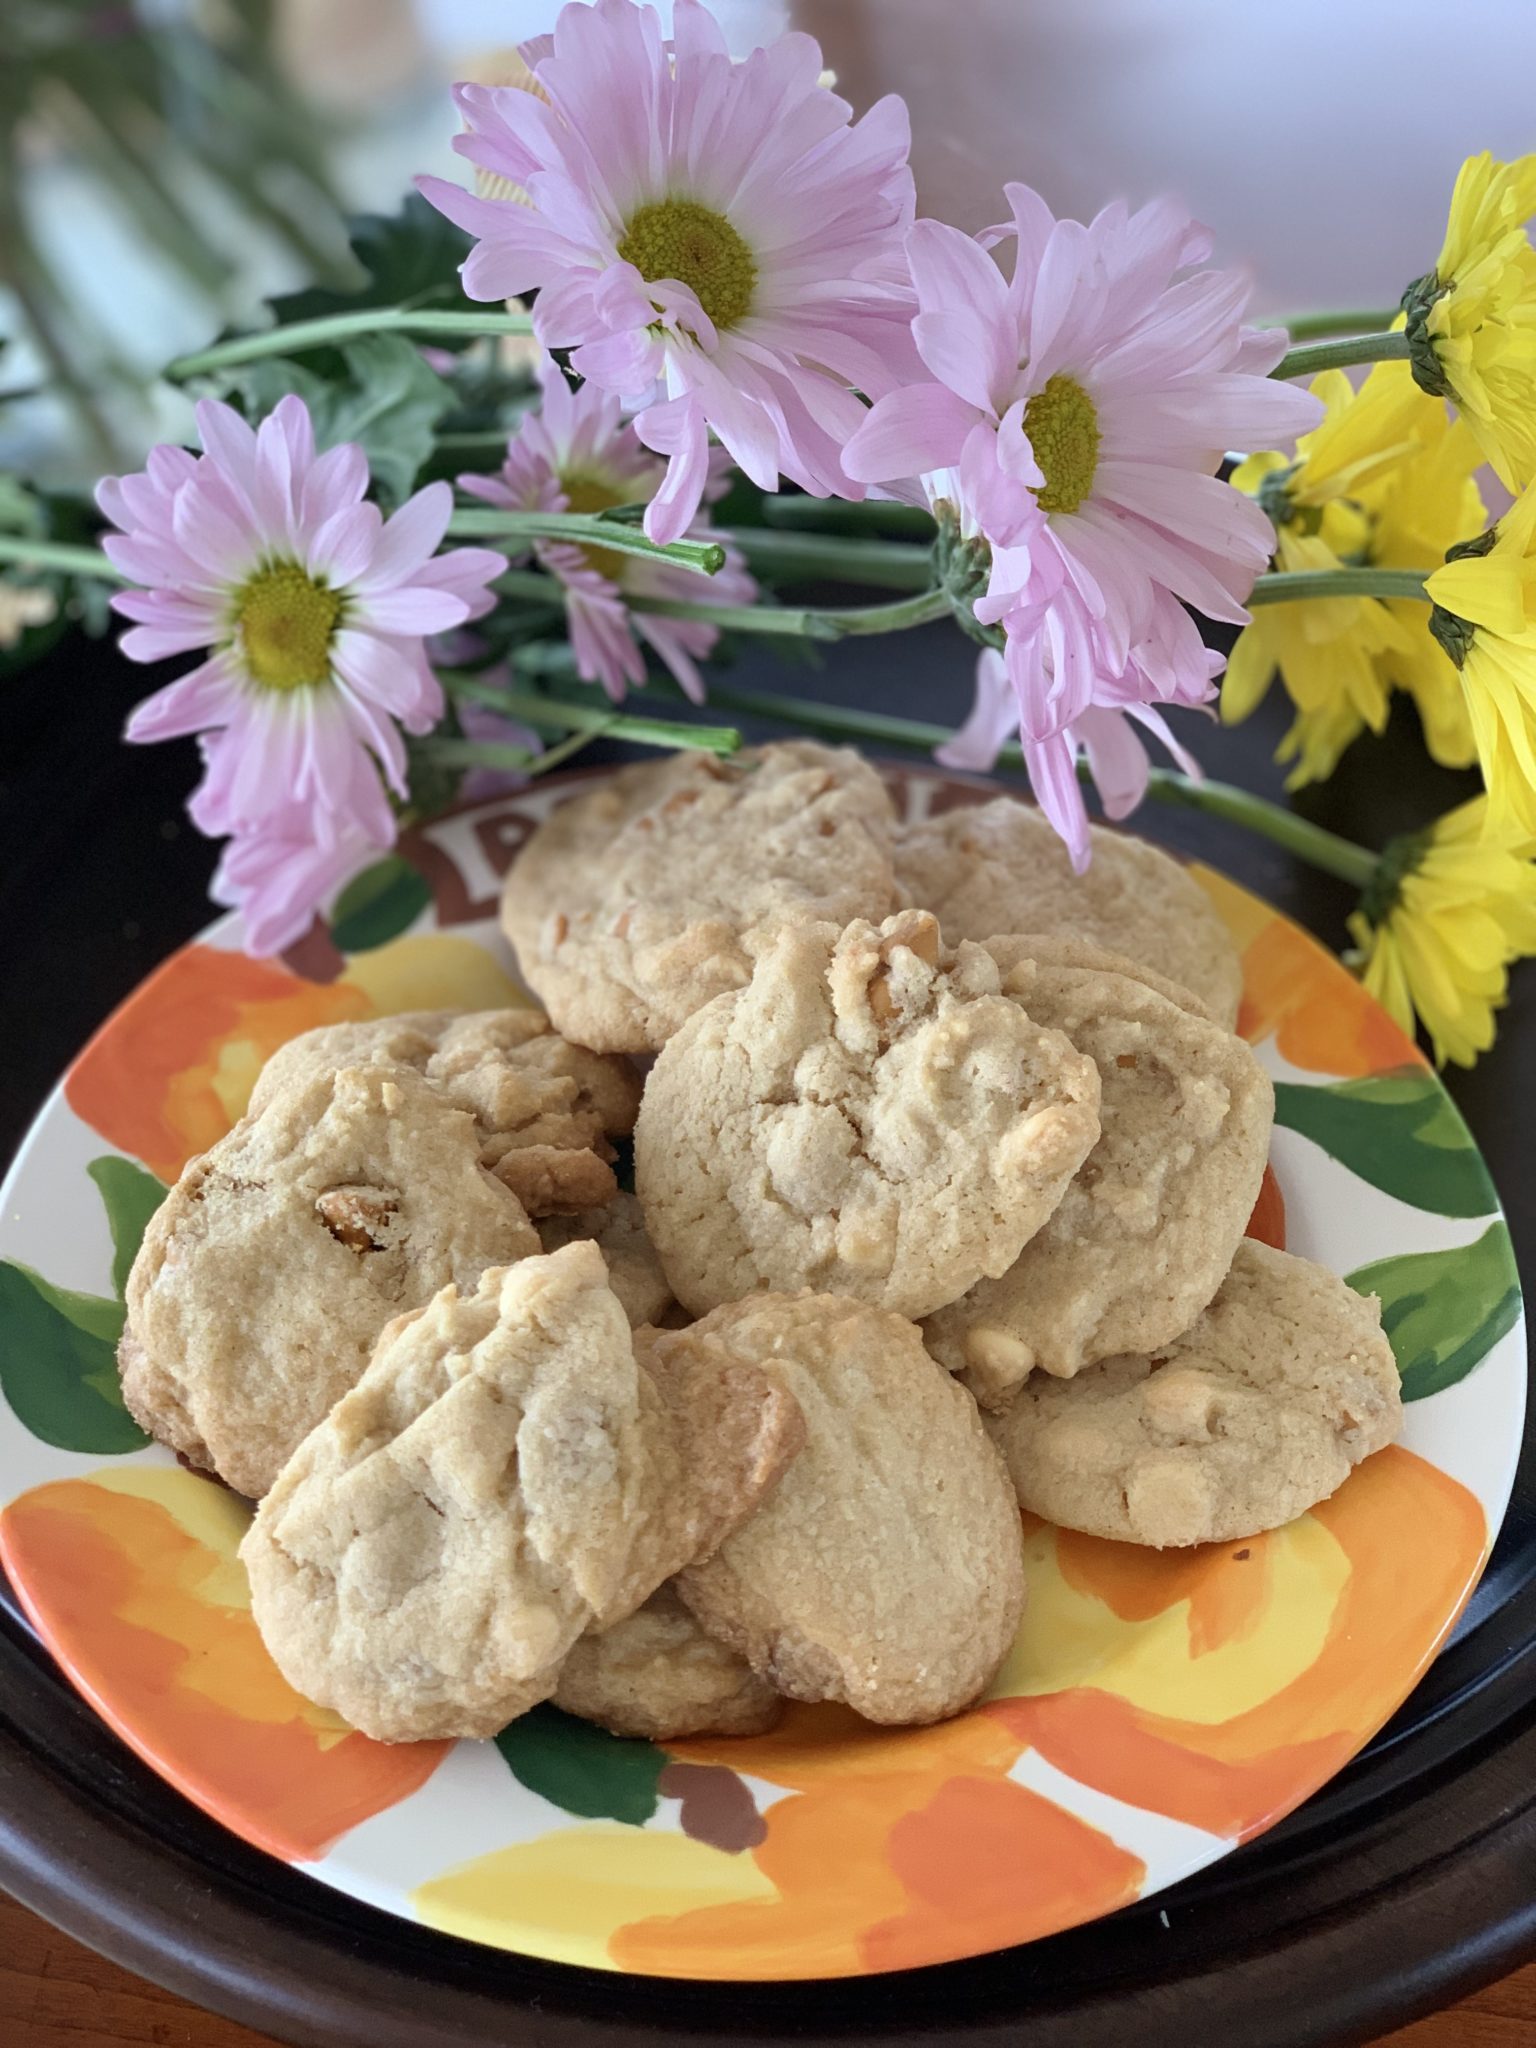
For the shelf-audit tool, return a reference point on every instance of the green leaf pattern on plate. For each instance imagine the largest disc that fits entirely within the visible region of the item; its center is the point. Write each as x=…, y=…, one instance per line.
x=131, y=1195
x=1444, y=1311
x=583, y=1769
x=58, y=1364
x=58, y=1348
x=1401, y=1132
x=379, y=904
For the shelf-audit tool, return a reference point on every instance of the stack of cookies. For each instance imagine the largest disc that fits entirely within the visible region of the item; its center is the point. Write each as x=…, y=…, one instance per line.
x=943, y=1158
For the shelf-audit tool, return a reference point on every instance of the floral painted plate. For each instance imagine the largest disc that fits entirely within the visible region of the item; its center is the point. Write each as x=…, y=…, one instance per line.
x=1156, y=1711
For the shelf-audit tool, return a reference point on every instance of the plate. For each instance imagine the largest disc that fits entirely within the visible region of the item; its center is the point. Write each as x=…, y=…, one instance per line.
x=1155, y=1712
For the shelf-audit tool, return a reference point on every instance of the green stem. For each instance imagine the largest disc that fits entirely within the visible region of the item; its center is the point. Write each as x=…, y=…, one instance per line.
x=881, y=564
x=889, y=618
x=586, y=530
x=1342, y=354
x=1312, y=843
x=1281, y=586
x=557, y=755
x=786, y=622
x=1313, y=326
x=54, y=554
x=302, y=334
x=1323, y=849
x=533, y=584
x=782, y=622
x=845, y=515
x=550, y=714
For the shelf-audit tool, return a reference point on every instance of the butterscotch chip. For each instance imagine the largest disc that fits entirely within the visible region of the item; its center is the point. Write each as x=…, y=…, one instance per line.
x=635, y=904
x=504, y=1477
x=886, y=1568
x=869, y=1117
x=634, y=1271
x=994, y=868
x=268, y=1272
x=658, y=1675
x=1143, y=1237
x=1255, y=1414
x=545, y=1108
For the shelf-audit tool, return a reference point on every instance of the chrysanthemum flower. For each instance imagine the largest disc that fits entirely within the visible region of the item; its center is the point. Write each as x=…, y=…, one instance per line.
x=279, y=874
x=313, y=606
x=1472, y=319
x=715, y=240
x=1437, y=929
x=1385, y=481
x=1080, y=412
x=576, y=453
x=1169, y=666
x=1484, y=616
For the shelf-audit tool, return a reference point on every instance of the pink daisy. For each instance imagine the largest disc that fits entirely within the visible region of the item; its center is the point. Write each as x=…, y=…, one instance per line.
x=577, y=454
x=314, y=608
x=1171, y=666
x=716, y=241
x=281, y=871
x=1075, y=418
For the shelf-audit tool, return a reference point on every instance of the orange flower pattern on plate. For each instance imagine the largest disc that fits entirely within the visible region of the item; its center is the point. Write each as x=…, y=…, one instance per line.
x=151, y=1619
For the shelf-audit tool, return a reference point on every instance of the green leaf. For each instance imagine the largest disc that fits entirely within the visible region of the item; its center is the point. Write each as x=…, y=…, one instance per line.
x=1401, y=1132
x=410, y=258
x=130, y=1195
x=1444, y=1311
x=386, y=399
x=583, y=1769
x=58, y=1364
x=379, y=904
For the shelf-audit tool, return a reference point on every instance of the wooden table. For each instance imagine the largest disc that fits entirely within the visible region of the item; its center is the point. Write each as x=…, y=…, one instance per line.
x=56, y=1994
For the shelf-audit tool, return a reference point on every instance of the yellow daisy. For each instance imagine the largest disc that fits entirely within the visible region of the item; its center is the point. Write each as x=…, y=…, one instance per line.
x=1329, y=651
x=1435, y=933
x=1417, y=511
x=1472, y=319
x=1484, y=616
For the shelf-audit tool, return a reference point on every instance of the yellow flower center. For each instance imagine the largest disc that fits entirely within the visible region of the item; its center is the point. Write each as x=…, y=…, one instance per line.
x=285, y=621
x=588, y=493
x=1063, y=430
x=681, y=239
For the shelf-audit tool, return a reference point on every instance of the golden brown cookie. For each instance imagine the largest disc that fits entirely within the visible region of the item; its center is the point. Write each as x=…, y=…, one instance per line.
x=1144, y=1236
x=636, y=903
x=546, y=1108
x=658, y=1675
x=870, y=1117
x=634, y=1271
x=269, y=1270
x=989, y=869
x=503, y=1477
x=1256, y=1413
x=886, y=1569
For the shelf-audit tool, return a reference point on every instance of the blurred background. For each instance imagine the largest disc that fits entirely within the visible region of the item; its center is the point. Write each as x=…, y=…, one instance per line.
x=166, y=164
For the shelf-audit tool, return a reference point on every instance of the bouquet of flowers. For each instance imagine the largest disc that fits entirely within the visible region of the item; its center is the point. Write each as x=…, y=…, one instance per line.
x=684, y=341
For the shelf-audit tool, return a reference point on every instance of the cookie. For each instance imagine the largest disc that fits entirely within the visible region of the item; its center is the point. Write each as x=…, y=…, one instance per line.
x=1063, y=949
x=267, y=1273
x=1255, y=1414
x=546, y=1108
x=658, y=1675
x=634, y=905
x=988, y=869
x=634, y=1271
x=870, y=1117
x=886, y=1568
x=1143, y=1237
x=503, y=1477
